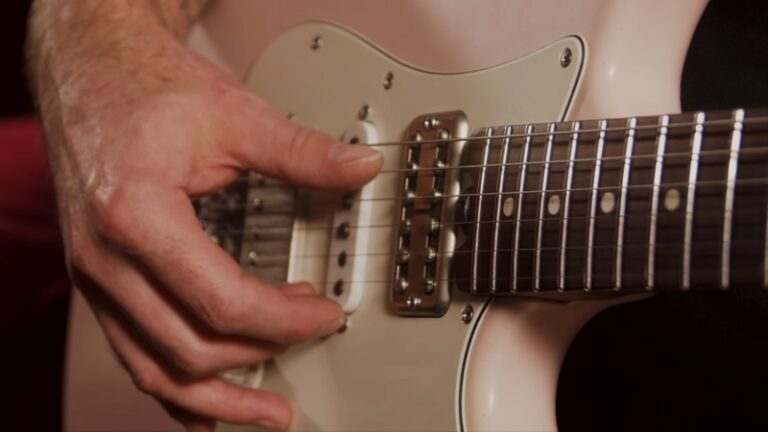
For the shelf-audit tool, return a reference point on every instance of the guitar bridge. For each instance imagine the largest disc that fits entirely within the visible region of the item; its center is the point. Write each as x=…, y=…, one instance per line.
x=430, y=188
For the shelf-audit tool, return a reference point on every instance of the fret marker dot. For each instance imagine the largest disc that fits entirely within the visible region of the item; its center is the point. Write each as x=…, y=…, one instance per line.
x=553, y=205
x=672, y=199
x=508, y=207
x=608, y=202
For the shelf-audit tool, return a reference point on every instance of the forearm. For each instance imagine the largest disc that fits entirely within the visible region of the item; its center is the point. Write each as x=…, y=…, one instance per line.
x=98, y=42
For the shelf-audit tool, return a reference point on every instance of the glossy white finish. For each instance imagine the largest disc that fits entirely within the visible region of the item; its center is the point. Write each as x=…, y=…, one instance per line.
x=635, y=52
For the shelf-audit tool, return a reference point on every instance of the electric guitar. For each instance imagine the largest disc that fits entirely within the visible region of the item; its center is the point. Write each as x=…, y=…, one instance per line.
x=502, y=221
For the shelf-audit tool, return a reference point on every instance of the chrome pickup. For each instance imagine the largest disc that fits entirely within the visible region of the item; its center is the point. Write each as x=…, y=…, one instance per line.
x=425, y=239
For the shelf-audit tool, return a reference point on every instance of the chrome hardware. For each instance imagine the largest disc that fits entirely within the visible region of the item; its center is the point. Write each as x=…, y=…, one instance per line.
x=565, y=58
x=467, y=314
x=405, y=227
x=424, y=249
x=413, y=302
x=428, y=286
x=431, y=122
x=401, y=286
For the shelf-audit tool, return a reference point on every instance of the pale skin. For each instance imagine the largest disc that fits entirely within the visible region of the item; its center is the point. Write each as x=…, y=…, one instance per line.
x=136, y=125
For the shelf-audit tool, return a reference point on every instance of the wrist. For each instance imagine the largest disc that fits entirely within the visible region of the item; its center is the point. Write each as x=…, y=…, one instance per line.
x=86, y=48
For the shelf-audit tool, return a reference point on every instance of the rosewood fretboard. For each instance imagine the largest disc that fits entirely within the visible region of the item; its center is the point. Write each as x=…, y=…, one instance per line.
x=677, y=201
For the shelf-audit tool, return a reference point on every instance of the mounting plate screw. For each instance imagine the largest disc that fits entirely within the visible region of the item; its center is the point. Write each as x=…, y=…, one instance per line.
x=364, y=112
x=317, y=41
x=467, y=314
x=565, y=57
x=401, y=285
x=412, y=302
x=431, y=122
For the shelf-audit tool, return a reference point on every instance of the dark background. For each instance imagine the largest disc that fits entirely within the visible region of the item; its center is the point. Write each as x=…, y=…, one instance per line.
x=674, y=362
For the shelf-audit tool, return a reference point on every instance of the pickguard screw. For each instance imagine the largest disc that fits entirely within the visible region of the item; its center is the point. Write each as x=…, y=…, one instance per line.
x=565, y=57
x=467, y=314
x=338, y=288
x=317, y=41
x=364, y=112
x=388, y=80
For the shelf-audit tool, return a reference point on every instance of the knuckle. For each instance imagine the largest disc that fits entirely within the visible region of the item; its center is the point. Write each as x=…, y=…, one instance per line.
x=297, y=145
x=113, y=212
x=191, y=361
x=148, y=379
x=221, y=313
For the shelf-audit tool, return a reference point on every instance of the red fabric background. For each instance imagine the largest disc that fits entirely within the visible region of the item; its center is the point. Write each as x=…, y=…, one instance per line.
x=32, y=270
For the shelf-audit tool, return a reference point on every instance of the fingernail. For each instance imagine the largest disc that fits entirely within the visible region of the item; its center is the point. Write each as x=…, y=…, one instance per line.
x=330, y=327
x=269, y=424
x=353, y=153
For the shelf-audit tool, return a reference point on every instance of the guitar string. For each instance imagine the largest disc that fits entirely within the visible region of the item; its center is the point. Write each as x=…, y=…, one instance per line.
x=552, y=218
x=700, y=243
x=662, y=275
x=633, y=158
x=699, y=183
x=483, y=138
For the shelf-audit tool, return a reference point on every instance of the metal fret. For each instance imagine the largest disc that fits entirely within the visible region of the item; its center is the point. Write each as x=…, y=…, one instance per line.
x=733, y=164
x=693, y=174
x=567, y=204
x=520, y=189
x=602, y=126
x=625, y=172
x=542, y=204
x=661, y=148
x=497, y=210
x=479, y=210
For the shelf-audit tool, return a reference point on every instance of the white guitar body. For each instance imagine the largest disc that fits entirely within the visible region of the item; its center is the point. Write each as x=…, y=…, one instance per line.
x=496, y=371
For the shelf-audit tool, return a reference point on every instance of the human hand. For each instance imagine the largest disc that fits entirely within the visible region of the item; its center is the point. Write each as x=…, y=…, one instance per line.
x=130, y=140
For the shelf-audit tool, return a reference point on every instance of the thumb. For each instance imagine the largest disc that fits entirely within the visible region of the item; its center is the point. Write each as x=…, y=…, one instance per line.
x=263, y=140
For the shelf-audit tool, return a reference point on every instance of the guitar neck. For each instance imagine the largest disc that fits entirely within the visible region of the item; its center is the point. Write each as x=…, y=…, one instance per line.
x=669, y=202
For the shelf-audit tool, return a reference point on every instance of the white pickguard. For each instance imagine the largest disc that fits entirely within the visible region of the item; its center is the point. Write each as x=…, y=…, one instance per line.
x=386, y=371
x=390, y=372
